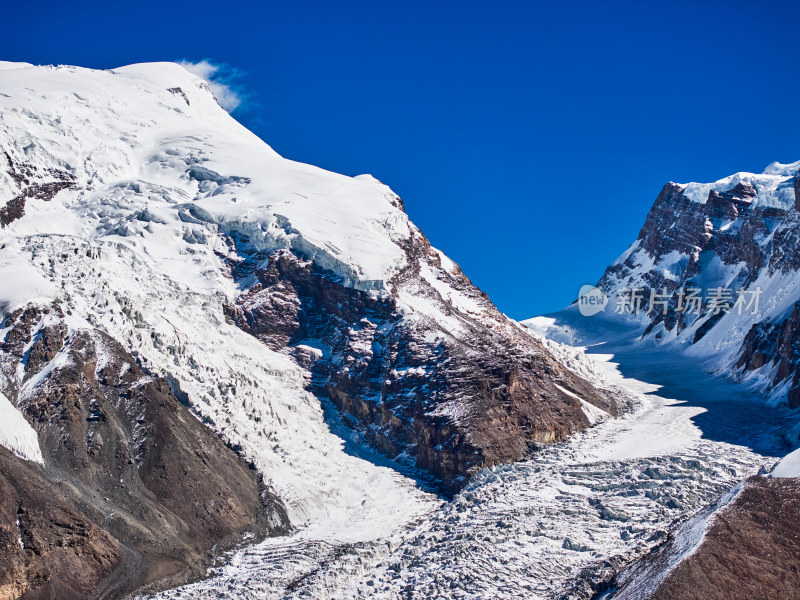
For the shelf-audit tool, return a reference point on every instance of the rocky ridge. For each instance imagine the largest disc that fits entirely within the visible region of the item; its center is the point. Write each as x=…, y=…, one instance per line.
x=739, y=234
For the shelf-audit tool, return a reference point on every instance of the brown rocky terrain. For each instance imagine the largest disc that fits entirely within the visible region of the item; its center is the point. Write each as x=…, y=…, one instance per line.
x=48, y=548
x=751, y=550
x=134, y=492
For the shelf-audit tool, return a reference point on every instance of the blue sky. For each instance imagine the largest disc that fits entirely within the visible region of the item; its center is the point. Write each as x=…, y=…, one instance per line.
x=527, y=140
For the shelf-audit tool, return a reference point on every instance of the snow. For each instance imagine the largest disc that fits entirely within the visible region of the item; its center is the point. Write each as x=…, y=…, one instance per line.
x=16, y=434
x=22, y=285
x=6, y=65
x=672, y=265
x=19, y=535
x=716, y=405
x=774, y=186
x=781, y=169
x=659, y=426
x=789, y=466
x=594, y=414
x=124, y=130
x=458, y=299
x=30, y=385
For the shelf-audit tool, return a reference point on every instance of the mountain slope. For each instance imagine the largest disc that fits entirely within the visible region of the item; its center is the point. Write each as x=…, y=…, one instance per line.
x=280, y=305
x=143, y=159
x=745, y=547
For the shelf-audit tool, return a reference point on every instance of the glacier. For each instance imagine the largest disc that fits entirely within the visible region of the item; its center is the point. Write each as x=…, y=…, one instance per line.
x=564, y=522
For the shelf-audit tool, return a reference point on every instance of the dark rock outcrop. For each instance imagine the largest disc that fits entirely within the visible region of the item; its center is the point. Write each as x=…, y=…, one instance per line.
x=26, y=178
x=776, y=344
x=450, y=402
x=135, y=492
x=797, y=191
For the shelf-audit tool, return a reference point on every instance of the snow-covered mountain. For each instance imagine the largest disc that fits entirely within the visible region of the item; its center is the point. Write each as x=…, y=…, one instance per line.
x=212, y=356
x=712, y=283
x=179, y=302
x=734, y=245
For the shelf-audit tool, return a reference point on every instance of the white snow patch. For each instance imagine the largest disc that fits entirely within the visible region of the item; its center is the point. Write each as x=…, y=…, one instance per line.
x=21, y=282
x=16, y=433
x=6, y=65
x=789, y=466
x=594, y=414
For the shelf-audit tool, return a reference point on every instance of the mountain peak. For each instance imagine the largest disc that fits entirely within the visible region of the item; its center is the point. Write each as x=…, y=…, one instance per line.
x=774, y=188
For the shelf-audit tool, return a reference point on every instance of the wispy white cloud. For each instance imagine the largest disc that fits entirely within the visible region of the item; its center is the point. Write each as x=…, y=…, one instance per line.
x=222, y=79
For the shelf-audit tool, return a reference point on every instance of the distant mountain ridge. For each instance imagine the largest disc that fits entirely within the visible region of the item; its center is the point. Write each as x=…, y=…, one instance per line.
x=737, y=236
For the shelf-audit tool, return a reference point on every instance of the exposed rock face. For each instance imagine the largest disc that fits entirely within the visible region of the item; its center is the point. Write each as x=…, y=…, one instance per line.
x=750, y=550
x=32, y=184
x=48, y=547
x=741, y=233
x=776, y=344
x=134, y=491
x=453, y=386
x=682, y=237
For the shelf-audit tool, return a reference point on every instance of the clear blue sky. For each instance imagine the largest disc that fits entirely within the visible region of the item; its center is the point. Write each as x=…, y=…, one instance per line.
x=527, y=140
